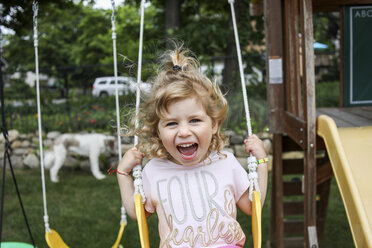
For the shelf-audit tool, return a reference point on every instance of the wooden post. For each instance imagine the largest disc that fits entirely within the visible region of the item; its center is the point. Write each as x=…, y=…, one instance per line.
x=310, y=118
x=274, y=43
x=275, y=98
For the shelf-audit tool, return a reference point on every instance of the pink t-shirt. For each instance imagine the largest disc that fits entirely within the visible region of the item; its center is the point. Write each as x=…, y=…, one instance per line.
x=196, y=205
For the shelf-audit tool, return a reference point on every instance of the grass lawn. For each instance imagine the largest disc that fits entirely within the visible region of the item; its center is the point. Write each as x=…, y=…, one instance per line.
x=86, y=213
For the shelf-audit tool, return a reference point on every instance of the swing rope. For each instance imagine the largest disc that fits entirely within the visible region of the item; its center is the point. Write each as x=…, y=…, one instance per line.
x=138, y=169
x=35, y=8
x=139, y=194
x=52, y=238
x=254, y=190
x=123, y=217
x=251, y=160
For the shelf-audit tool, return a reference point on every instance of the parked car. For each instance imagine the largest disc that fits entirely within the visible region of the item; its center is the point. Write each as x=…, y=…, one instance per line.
x=105, y=86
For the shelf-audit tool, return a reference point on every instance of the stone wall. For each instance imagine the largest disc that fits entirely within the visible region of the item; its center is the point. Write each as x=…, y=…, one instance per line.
x=25, y=150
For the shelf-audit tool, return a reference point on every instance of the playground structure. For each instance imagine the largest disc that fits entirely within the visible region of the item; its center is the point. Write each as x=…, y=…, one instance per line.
x=344, y=152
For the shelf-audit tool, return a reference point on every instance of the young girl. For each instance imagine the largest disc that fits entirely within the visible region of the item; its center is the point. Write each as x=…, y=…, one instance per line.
x=192, y=184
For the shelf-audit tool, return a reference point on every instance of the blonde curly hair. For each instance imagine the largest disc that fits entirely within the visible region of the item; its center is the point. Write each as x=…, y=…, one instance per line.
x=178, y=78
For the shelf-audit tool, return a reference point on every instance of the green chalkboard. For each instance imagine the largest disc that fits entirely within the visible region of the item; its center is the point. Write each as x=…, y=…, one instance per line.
x=357, y=55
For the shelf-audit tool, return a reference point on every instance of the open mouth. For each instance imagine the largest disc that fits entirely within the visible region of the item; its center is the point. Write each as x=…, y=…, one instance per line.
x=188, y=151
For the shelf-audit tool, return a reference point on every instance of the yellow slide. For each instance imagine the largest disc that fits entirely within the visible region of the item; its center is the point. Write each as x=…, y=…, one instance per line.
x=350, y=153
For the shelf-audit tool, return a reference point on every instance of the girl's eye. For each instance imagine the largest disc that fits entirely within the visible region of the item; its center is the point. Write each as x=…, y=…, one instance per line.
x=169, y=124
x=194, y=120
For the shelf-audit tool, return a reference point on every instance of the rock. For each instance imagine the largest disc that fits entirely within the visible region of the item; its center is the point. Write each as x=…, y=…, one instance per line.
x=85, y=165
x=35, y=141
x=71, y=162
x=264, y=135
x=13, y=135
x=229, y=149
x=243, y=162
x=229, y=133
x=270, y=163
x=268, y=146
x=31, y=161
x=127, y=140
x=20, y=151
x=53, y=135
x=47, y=142
x=17, y=162
x=16, y=144
x=125, y=148
x=23, y=136
x=236, y=139
x=239, y=151
x=25, y=144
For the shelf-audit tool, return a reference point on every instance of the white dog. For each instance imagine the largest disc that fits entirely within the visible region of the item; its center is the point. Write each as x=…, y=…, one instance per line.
x=90, y=145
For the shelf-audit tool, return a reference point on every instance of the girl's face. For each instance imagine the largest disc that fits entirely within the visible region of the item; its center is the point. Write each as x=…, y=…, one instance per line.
x=186, y=131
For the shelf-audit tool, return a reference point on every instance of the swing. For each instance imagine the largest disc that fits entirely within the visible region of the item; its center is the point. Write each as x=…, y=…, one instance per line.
x=52, y=237
x=254, y=195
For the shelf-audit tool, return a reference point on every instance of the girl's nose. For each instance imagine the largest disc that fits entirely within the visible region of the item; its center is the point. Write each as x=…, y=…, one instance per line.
x=183, y=131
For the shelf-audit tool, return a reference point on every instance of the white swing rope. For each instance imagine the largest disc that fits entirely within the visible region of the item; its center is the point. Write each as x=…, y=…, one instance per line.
x=137, y=170
x=251, y=160
x=123, y=212
x=46, y=217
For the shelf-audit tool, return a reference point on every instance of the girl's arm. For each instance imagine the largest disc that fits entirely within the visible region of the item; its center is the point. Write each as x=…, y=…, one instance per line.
x=130, y=159
x=255, y=146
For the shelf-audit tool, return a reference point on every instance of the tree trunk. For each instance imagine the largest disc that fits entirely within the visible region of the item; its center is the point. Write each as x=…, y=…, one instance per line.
x=172, y=18
x=230, y=74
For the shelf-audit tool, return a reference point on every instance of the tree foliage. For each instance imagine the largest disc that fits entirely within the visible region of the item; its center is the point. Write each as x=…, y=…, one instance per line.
x=75, y=42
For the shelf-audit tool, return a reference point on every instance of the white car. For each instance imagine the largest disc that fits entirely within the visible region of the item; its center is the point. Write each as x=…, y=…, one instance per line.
x=105, y=86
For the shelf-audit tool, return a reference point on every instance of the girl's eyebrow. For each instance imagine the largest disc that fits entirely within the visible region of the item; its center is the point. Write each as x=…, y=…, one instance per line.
x=162, y=120
x=197, y=115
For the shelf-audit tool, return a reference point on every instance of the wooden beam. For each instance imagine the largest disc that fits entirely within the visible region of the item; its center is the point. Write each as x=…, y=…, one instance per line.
x=291, y=188
x=276, y=227
x=341, y=103
x=294, y=208
x=335, y=5
x=294, y=226
x=295, y=127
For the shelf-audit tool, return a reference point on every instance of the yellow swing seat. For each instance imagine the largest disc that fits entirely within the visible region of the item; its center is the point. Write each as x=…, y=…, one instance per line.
x=256, y=220
x=54, y=240
x=120, y=234
x=142, y=222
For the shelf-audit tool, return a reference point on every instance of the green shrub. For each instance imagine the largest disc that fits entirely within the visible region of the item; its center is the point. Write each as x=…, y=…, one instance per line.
x=327, y=94
x=19, y=90
x=257, y=103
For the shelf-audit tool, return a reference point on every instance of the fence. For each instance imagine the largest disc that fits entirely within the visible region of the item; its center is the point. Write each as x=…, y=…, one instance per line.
x=95, y=115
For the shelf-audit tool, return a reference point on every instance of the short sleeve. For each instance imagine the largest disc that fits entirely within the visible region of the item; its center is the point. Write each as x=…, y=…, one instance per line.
x=149, y=207
x=241, y=179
